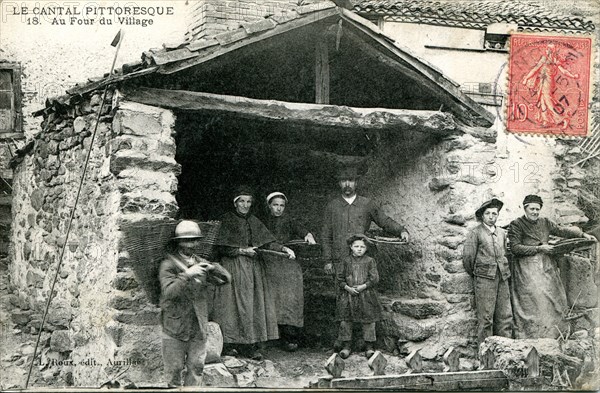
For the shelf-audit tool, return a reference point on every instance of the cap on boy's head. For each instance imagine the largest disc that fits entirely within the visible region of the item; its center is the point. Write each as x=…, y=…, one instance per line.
x=348, y=173
x=240, y=191
x=491, y=203
x=358, y=236
x=187, y=229
x=531, y=198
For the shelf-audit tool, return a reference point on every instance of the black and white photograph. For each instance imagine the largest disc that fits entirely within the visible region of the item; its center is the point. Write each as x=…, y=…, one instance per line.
x=354, y=195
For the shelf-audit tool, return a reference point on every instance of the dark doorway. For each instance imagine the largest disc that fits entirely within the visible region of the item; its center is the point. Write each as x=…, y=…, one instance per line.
x=219, y=152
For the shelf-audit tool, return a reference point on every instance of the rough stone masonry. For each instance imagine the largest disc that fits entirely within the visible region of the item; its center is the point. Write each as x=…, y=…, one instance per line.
x=98, y=310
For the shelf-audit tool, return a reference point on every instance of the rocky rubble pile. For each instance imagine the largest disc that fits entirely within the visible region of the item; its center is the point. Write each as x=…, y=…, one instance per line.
x=546, y=364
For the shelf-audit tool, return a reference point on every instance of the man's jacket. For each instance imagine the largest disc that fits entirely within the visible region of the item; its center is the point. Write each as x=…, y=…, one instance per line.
x=484, y=253
x=343, y=220
x=183, y=301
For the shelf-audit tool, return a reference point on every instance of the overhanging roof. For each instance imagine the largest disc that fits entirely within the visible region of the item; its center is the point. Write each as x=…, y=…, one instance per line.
x=173, y=59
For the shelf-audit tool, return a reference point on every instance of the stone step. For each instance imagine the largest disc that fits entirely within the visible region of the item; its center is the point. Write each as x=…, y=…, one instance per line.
x=418, y=308
x=407, y=328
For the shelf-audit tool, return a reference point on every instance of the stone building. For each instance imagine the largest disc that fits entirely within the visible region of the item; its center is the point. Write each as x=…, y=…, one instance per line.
x=35, y=70
x=279, y=97
x=468, y=41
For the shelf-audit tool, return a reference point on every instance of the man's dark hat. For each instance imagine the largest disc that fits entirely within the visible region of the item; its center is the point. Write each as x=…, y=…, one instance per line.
x=358, y=236
x=348, y=173
x=531, y=198
x=494, y=202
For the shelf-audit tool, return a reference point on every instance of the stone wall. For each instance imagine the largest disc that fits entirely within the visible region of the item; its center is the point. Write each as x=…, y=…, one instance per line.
x=100, y=318
x=210, y=17
x=45, y=187
x=143, y=163
x=434, y=188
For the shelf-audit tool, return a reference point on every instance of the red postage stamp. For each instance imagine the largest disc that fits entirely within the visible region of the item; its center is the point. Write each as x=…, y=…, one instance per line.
x=549, y=85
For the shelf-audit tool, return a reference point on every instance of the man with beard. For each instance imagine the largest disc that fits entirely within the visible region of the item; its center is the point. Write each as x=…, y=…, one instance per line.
x=347, y=215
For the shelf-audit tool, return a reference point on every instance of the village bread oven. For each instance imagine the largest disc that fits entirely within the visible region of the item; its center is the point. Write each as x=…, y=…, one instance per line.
x=282, y=103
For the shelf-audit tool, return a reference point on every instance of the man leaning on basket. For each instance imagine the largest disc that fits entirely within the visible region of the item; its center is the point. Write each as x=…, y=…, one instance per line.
x=184, y=278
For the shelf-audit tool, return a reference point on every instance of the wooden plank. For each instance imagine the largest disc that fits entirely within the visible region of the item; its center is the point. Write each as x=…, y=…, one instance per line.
x=532, y=362
x=377, y=363
x=451, y=360
x=459, y=381
x=322, y=72
x=335, y=365
x=172, y=56
x=414, y=361
x=302, y=113
x=78, y=90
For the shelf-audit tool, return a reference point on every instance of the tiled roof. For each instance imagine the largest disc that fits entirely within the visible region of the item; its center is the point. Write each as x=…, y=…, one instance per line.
x=172, y=58
x=475, y=14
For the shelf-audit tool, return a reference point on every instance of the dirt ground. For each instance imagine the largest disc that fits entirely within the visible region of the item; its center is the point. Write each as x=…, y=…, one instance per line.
x=279, y=369
x=299, y=369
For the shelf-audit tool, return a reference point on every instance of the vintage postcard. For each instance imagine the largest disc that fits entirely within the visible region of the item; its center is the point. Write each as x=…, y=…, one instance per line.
x=349, y=194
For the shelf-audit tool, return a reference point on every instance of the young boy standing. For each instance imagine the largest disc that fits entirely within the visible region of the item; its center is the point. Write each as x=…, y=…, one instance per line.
x=358, y=302
x=484, y=258
x=184, y=278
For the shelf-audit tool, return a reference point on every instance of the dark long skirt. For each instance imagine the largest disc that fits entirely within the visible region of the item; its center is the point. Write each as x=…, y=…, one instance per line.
x=244, y=309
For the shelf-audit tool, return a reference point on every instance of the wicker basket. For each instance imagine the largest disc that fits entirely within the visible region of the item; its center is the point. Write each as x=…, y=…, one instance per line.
x=148, y=242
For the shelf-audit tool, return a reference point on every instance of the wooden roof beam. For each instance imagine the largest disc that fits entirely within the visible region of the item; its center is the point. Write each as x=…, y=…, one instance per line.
x=318, y=115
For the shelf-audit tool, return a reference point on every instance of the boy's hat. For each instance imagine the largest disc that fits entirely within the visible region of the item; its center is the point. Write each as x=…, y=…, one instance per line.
x=187, y=229
x=491, y=203
x=358, y=236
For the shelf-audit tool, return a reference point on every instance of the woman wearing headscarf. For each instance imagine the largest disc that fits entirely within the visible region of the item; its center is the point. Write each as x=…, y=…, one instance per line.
x=285, y=275
x=539, y=301
x=244, y=309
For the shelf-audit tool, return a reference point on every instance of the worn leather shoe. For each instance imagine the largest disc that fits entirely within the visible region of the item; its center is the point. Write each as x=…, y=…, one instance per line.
x=337, y=345
x=345, y=353
x=257, y=355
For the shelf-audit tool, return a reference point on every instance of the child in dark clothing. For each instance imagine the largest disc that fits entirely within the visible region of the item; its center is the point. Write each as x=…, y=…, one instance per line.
x=358, y=303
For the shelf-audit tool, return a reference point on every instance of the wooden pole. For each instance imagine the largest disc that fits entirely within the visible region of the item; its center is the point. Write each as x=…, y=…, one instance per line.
x=322, y=72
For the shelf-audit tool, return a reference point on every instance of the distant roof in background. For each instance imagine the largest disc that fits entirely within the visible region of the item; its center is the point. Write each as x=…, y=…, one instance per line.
x=529, y=16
